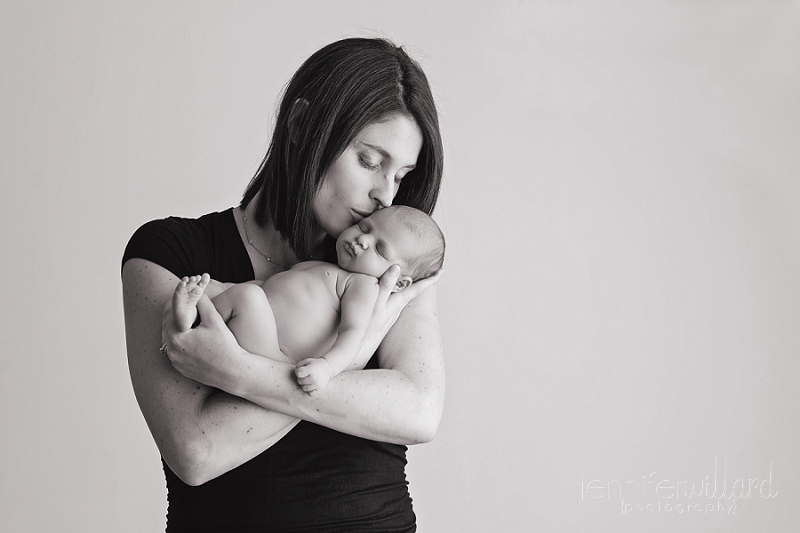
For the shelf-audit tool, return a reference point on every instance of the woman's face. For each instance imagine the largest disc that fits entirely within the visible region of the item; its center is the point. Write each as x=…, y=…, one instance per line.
x=366, y=176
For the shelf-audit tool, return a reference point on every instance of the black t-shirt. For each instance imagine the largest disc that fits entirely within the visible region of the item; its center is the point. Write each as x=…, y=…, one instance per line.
x=314, y=479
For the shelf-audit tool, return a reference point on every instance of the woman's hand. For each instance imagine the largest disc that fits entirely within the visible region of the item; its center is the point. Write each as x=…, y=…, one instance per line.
x=388, y=307
x=207, y=353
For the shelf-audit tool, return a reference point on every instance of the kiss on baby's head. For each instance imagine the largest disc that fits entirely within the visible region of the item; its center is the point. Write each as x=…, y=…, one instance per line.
x=396, y=235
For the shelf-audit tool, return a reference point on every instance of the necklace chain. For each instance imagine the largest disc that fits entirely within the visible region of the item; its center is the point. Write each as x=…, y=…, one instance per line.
x=250, y=241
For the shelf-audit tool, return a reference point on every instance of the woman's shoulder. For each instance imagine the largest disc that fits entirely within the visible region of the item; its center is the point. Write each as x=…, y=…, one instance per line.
x=176, y=242
x=181, y=226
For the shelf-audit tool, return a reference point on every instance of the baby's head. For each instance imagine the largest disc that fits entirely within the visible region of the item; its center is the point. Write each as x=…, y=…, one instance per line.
x=397, y=235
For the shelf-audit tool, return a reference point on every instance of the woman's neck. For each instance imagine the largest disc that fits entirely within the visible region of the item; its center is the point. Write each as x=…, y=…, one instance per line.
x=268, y=250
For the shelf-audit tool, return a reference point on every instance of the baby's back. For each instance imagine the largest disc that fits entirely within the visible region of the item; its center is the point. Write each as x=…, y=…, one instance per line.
x=306, y=306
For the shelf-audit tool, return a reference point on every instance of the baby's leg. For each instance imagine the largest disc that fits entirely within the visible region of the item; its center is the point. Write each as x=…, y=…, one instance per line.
x=184, y=300
x=249, y=316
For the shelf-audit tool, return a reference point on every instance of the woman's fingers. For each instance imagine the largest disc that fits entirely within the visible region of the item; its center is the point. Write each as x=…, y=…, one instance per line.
x=395, y=302
x=389, y=305
x=389, y=280
x=208, y=313
x=418, y=287
x=199, y=353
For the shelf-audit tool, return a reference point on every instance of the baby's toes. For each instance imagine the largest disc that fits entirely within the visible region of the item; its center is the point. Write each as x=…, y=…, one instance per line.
x=196, y=285
x=181, y=287
x=196, y=290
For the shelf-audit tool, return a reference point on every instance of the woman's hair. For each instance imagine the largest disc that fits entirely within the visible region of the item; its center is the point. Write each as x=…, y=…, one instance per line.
x=336, y=93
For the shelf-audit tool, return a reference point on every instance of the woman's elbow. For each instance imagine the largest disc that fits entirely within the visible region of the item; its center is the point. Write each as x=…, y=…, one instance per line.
x=192, y=463
x=425, y=423
x=428, y=428
x=194, y=476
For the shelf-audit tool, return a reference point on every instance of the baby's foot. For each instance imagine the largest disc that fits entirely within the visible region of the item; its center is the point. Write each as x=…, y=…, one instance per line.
x=184, y=300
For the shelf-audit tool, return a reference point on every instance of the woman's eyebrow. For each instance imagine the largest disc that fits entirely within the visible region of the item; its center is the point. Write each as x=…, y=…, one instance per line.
x=385, y=154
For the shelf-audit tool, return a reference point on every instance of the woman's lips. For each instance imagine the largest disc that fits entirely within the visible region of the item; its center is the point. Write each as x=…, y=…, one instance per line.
x=361, y=214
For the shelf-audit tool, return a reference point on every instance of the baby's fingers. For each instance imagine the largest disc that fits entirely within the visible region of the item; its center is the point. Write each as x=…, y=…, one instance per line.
x=311, y=391
x=307, y=381
x=302, y=372
x=308, y=387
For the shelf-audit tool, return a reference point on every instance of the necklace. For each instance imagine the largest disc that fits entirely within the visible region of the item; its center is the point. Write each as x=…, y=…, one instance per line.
x=250, y=241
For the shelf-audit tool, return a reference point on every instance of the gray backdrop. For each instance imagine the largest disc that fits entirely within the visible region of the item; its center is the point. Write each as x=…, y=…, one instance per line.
x=621, y=296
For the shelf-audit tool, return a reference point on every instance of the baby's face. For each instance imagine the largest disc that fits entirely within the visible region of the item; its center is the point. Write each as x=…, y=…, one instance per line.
x=376, y=243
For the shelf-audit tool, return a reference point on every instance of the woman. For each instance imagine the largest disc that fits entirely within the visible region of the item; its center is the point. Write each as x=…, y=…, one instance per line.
x=357, y=130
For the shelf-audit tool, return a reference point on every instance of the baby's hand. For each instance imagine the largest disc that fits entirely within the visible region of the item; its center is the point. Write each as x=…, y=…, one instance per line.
x=313, y=374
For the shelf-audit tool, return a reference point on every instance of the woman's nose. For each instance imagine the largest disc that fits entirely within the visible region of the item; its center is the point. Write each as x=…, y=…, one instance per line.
x=383, y=192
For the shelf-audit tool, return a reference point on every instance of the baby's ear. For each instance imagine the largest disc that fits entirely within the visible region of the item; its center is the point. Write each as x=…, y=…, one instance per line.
x=402, y=283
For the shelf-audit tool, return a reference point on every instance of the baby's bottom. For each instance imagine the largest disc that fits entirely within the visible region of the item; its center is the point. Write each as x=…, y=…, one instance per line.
x=244, y=307
x=246, y=311
x=249, y=316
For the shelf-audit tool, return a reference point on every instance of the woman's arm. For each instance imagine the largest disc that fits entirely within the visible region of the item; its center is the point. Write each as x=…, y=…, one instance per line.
x=401, y=402
x=200, y=432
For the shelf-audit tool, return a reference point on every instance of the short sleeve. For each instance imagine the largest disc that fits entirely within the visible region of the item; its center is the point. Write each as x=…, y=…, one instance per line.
x=168, y=242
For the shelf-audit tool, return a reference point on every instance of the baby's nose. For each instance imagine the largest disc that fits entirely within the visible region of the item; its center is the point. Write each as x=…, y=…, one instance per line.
x=361, y=242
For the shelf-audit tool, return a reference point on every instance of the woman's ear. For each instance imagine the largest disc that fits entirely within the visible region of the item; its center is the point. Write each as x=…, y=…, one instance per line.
x=402, y=283
x=298, y=108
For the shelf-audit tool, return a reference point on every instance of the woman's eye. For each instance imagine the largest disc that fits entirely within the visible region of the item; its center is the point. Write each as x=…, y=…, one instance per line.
x=368, y=165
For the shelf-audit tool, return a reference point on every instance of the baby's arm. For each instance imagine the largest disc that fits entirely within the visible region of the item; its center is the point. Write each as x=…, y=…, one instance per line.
x=357, y=302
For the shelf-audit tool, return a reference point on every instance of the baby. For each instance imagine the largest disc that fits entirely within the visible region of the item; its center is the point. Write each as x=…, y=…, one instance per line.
x=316, y=314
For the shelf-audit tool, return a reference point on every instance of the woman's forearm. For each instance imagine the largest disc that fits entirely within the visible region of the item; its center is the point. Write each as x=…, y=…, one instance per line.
x=201, y=433
x=401, y=402
x=229, y=432
x=382, y=405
